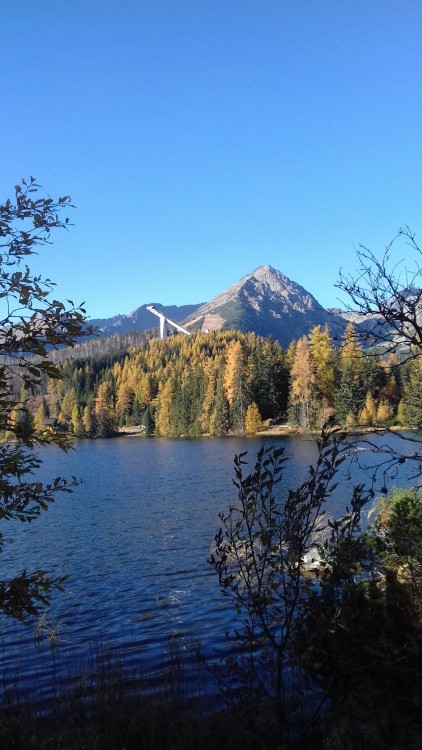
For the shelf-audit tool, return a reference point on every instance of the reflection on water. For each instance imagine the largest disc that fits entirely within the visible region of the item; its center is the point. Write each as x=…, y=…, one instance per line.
x=134, y=539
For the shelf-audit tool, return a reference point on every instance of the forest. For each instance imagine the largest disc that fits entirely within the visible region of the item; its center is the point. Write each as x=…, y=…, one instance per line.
x=217, y=383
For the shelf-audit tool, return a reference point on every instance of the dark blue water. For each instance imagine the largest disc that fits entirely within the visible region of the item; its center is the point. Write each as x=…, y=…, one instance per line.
x=133, y=539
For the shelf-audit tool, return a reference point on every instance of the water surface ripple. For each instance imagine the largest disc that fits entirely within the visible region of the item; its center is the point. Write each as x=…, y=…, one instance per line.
x=133, y=539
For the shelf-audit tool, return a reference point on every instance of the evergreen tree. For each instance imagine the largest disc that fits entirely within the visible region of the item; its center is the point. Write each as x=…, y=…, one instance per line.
x=148, y=421
x=69, y=401
x=350, y=395
x=412, y=394
x=267, y=377
x=76, y=421
x=219, y=419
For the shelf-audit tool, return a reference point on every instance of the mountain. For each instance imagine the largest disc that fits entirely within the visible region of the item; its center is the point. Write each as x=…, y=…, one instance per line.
x=266, y=302
x=141, y=319
x=394, y=329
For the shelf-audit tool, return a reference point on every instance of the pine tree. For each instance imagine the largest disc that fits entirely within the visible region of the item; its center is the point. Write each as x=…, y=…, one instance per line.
x=148, y=421
x=219, y=418
x=69, y=401
x=412, y=394
x=76, y=422
x=349, y=396
x=267, y=377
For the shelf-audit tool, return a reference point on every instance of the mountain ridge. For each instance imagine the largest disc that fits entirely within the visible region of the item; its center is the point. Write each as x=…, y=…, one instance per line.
x=264, y=301
x=140, y=318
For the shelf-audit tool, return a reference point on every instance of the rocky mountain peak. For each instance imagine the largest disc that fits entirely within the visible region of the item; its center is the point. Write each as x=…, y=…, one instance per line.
x=264, y=301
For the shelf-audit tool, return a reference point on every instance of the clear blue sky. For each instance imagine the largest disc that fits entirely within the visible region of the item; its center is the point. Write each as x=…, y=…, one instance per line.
x=200, y=139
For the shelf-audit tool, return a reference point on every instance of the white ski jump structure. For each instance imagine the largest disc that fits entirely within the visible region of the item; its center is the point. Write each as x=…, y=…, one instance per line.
x=165, y=322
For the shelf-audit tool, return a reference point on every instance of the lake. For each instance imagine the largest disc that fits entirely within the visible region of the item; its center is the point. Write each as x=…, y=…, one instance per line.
x=134, y=539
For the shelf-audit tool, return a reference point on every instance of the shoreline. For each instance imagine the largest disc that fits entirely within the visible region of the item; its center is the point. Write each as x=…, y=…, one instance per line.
x=268, y=431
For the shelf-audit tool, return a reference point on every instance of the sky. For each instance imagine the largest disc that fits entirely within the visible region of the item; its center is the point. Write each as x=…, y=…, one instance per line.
x=200, y=139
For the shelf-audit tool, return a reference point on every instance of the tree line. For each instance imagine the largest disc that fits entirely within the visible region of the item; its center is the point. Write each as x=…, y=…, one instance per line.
x=220, y=383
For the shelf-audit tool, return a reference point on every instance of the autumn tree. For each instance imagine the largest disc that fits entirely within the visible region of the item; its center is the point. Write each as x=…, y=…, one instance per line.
x=88, y=419
x=103, y=411
x=368, y=415
x=66, y=407
x=164, y=398
x=40, y=418
x=32, y=323
x=76, y=422
x=124, y=402
x=322, y=354
x=219, y=417
x=345, y=602
x=302, y=382
x=253, y=420
x=234, y=384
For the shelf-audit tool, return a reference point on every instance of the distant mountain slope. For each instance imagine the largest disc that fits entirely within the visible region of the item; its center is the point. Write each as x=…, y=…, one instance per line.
x=266, y=302
x=141, y=319
x=394, y=330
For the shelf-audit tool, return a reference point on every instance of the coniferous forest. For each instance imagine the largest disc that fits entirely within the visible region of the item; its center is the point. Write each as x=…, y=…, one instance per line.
x=221, y=383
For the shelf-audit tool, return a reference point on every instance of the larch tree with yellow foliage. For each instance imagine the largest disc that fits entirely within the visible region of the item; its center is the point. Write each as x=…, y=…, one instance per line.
x=321, y=352
x=253, y=421
x=234, y=384
x=302, y=385
x=368, y=415
x=103, y=410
